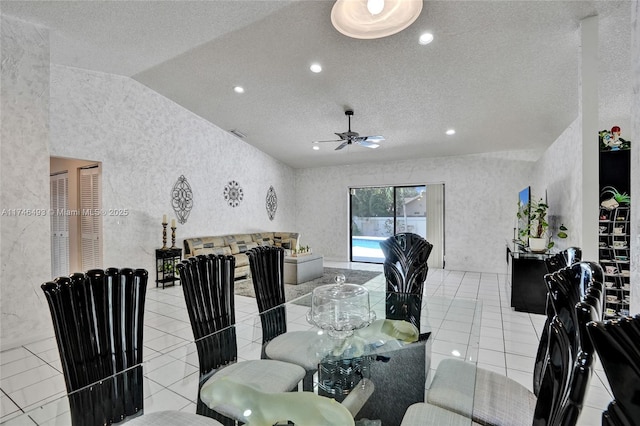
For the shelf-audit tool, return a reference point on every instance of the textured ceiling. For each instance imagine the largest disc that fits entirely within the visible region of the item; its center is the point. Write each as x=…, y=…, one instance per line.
x=504, y=74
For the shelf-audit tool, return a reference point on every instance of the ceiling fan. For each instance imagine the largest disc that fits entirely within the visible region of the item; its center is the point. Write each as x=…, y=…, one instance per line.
x=349, y=137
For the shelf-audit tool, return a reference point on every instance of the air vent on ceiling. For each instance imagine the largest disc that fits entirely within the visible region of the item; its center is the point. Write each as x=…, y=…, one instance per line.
x=238, y=133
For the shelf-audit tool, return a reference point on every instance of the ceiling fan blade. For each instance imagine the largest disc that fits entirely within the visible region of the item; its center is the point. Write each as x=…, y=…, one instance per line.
x=367, y=144
x=343, y=136
x=342, y=145
x=373, y=138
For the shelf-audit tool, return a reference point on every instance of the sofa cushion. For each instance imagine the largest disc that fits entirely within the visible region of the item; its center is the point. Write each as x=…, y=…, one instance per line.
x=192, y=244
x=242, y=271
x=263, y=238
x=237, y=238
x=286, y=240
x=242, y=247
x=241, y=260
x=226, y=251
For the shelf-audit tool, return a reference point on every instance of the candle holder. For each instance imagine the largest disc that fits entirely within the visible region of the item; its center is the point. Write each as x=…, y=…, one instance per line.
x=173, y=237
x=164, y=235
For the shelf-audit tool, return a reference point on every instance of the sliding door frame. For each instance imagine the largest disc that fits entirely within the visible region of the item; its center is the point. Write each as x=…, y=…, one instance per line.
x=395, y=189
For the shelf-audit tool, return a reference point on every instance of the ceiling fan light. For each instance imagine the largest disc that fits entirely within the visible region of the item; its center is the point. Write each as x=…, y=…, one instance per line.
x=375, y=6
x=353, y=18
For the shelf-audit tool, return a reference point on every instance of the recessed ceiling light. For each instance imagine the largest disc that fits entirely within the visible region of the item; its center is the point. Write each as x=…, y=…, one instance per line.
x=316, y=147
x=425, y=38
x=450, y=132
x=315, y=68
x=238, y=89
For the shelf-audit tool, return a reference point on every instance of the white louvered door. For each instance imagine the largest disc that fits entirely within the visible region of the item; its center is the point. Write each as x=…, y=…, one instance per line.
x=90, y=218
x=59, y=224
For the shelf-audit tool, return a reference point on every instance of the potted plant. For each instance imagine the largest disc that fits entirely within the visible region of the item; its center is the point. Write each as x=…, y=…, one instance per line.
x=620, y=198
x=536, y=230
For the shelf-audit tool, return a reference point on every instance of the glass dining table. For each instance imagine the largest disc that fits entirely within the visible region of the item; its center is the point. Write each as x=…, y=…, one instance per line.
x=376, y=372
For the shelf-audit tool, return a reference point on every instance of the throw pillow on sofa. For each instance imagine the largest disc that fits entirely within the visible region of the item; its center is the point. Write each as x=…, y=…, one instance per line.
x=263, y=238
x=242, y=247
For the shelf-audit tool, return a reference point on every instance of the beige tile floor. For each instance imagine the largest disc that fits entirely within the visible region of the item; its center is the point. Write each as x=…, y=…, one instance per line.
x=31, y=375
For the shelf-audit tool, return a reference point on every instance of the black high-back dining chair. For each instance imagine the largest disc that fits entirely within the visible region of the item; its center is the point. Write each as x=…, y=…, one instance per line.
x=267, y=275
x=405, y=270
x=98, y=323
x=618, y=345
x=567, y=365
x=566, y=257
x=569, y=361
x=554, y=263
x=572, y=283
x=207, y=287
x=207, y=284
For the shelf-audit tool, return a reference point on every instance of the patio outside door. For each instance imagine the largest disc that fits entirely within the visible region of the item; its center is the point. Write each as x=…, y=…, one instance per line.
x=380, y=212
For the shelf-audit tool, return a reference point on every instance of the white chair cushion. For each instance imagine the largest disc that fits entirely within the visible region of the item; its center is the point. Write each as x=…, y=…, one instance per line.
x=264, y=375
x=296, y=347
x=172, y=418
x=423, y=414
x=496, y=399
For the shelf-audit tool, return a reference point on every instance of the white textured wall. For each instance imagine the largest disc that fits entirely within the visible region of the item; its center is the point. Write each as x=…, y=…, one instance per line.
x=145, y=142
x=481, y=195
x=635, y=161
x=558, y=172
x=25, y=261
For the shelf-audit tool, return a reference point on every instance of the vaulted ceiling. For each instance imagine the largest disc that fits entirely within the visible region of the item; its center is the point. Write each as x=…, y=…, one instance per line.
x=503, y=74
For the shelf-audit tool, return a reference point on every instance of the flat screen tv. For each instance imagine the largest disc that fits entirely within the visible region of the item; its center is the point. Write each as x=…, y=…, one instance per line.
x=524, y=198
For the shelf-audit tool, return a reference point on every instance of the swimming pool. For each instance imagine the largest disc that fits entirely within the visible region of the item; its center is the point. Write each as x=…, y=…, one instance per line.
x=367, y=249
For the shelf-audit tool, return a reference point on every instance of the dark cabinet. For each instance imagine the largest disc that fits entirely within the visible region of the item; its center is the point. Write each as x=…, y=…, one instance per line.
x=528, y=289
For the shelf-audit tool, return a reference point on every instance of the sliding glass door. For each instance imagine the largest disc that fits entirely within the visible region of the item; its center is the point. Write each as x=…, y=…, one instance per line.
x=380, y=212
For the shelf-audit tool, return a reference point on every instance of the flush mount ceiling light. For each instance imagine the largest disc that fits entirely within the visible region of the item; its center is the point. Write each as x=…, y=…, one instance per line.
x=369, y=19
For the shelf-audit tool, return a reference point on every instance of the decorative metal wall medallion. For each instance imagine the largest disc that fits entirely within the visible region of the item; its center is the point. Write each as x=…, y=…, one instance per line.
x=233, y=193
x=182, y=199
x=272, y=203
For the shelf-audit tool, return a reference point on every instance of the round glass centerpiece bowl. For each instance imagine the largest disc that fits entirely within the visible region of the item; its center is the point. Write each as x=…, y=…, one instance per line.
x=340, y=308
